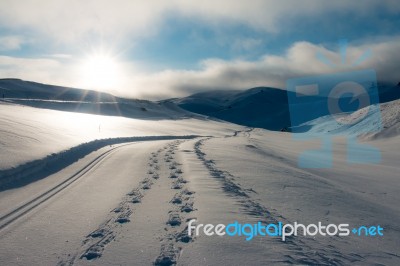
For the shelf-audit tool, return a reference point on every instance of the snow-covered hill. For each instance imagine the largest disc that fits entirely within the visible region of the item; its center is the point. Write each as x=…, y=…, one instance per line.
x=259, y=107
x=85, y=101
x=121, y=188
x=29, y=133
x=369, y=122
x=17, y=88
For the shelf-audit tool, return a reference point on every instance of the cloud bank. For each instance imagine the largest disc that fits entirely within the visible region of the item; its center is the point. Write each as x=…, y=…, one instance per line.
x=69, y=25
x=270, y=70
x=69, y=20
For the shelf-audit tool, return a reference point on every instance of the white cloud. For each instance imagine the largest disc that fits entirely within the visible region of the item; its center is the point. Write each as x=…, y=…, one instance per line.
x=270, y=70
x=71, y=19
x=60, y=56
x=41, y=70
x=246, y=44
x=73, y=22
x=10, y=43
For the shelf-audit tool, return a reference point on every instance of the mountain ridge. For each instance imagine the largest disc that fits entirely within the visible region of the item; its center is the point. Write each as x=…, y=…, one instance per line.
x=262, y=107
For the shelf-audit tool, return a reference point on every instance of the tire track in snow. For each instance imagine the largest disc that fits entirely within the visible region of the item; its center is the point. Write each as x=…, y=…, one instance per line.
x=181, y=206
x=306, y=251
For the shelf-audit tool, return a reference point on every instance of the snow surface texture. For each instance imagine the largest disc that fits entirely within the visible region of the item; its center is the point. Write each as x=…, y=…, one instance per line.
x=107, y=190
x=362, y=120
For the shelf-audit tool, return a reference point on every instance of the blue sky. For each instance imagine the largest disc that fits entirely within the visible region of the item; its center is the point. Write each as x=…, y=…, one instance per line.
x=182, y=43
x=157, y=49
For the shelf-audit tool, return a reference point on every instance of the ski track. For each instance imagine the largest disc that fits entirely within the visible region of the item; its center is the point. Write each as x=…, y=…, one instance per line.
x=181, y=206
x=25, y=208
x=18, y=212
x=306, y=251
x=41, y=168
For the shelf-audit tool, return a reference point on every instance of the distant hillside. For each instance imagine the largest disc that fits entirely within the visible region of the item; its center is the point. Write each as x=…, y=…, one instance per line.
x=16, y=88
x=258, y=107
x=85, y=101
x=262, y=107
x=360, y=124
x=388, y=92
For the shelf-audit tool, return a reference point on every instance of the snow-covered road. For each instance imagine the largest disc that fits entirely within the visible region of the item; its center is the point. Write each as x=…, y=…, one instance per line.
x=129, y=204
x=54, y=215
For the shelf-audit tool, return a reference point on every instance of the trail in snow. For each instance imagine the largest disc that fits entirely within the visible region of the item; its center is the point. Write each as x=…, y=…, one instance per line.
x=307, y=251
x=181, y=206
x=267, y=181
x=23, y=209
x=162, y=188
x=163, y=170
x=41, y=168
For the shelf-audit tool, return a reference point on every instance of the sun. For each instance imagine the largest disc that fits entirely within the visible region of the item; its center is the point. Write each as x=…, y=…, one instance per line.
x=100, y=71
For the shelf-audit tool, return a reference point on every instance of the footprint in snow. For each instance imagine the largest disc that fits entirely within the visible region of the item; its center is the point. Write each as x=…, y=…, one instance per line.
x=173, y=175
x=123, y=219
x=177, y=199
x=174, y=219
x=179, y=171
x=176, y=185
x=183, y=236
x=91, y=254
x=146, y=184
x=188, y=207
x=99, y=233
x=181, y=180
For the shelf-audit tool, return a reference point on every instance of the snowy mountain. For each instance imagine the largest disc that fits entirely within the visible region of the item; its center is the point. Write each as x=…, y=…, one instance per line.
x=388, y=92
x=361, y=123
x=21, y=89
x=85, y=101
x=259, y=107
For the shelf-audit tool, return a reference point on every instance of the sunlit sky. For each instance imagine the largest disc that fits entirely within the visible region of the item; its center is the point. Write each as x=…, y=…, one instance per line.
x=160, y=49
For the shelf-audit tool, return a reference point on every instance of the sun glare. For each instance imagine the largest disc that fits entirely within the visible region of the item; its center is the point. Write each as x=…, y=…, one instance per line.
x=100, y=71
